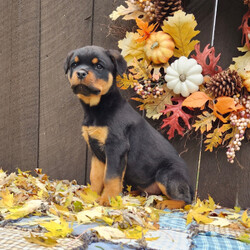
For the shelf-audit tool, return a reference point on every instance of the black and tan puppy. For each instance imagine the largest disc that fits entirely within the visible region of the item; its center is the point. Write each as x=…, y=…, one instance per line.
x=124, y=146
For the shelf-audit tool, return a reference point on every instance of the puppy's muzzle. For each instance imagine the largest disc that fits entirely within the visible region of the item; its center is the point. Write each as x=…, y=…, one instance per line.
x=85, y=90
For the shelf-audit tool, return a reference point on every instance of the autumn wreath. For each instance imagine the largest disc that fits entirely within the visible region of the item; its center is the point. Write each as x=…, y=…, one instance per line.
x=174, y=86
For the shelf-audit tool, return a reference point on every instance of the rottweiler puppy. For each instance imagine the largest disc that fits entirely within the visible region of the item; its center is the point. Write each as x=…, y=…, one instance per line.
x=124, y=146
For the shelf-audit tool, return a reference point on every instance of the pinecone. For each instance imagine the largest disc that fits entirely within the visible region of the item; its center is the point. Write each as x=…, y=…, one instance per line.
x=166, y=8
x=225, y=83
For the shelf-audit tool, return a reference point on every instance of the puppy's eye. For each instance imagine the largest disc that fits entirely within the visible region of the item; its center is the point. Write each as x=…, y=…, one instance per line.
x=98, y=66
x=73, y=65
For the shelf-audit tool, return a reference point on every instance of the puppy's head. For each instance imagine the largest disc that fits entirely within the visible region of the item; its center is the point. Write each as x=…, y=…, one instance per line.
x=91, y=72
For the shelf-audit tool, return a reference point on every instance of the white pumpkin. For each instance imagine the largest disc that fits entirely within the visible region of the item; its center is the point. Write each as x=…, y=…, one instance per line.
x=184, y=76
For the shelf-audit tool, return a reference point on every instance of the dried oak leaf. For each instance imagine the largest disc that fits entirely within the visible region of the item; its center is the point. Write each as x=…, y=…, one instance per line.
x=140, y=69
x=173, y=120
x=125, y=82
x=245, y=29
x=133, y=11
x=205, y=122
x=202, y=58
x=154, y=106
x=242, y=66
x=214, y=139
x=131, y=48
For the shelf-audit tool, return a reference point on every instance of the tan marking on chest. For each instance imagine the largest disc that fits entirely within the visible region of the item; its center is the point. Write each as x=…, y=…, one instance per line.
x=98, y=133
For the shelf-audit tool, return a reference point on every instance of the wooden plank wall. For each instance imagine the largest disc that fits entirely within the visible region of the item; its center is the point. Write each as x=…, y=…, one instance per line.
x=40, y=118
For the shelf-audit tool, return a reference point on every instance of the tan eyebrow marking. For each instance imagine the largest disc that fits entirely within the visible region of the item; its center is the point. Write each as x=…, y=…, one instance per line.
x=95, y=60
x=77, y=59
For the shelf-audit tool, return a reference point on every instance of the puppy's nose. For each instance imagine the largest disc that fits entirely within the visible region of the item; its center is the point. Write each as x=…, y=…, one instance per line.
x=81, y=74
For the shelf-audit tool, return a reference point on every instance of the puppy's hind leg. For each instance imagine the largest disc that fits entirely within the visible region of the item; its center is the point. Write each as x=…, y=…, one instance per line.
x=175, y=186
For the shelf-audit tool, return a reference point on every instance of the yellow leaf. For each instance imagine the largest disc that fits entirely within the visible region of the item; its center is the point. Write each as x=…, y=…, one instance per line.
x=244, y=238
x=188, y=207
x=28, y=208
x=141, y=69
x=88, y=195
x=129, y=188
x=135, y=233
x=211, y=203
x=7, y=199
x=222, y=222
x=116, y=202
x=152, y=238
x=181, y=27
x=245, y=219
x=69, y=199
x=237, y=209
x=130, y=48
x=109, y=233
x=232, y=134
x=213, y=139
x=189, y=218
x=201, y=218
x=133, y=11
x=125, y=82
x=55, y=229
x=88, y=216
x=242, y=64
x=42, y=241
x=205, y=121
x=107, y=220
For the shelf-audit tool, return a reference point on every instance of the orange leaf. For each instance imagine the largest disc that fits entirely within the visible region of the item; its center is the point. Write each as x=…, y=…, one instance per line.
x=239, y=107
x=196, y=100
x=145, y=29
x=225, y=105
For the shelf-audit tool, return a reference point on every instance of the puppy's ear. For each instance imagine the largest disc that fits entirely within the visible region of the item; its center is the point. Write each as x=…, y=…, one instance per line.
x=66, y=63
x=118, y=61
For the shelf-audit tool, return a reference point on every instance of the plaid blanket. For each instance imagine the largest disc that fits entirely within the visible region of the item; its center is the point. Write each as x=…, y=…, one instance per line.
x=173, y=234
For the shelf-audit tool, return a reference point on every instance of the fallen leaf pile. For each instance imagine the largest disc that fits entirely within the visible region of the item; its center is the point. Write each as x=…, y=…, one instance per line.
x=207, y=212
x=60, y=204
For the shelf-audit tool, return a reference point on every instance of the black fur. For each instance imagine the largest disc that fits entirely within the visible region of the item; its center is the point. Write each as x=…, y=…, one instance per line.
x=131, y=142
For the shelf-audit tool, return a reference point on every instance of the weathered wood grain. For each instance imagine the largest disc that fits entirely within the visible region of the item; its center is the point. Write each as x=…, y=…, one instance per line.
x=227, y=183
x=19, y=81
x=65, y=25
x=189, y=146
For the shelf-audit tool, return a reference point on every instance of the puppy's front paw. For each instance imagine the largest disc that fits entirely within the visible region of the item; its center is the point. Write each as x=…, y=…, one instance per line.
x=103, y=201
x=170, y=204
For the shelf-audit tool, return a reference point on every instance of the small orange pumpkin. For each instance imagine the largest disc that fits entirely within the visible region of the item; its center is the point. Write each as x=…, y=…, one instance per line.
x=159, y=47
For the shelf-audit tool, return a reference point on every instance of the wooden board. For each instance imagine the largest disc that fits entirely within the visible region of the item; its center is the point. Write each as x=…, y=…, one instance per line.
x=65, y=25
x=227, y=183
x=19, y=92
